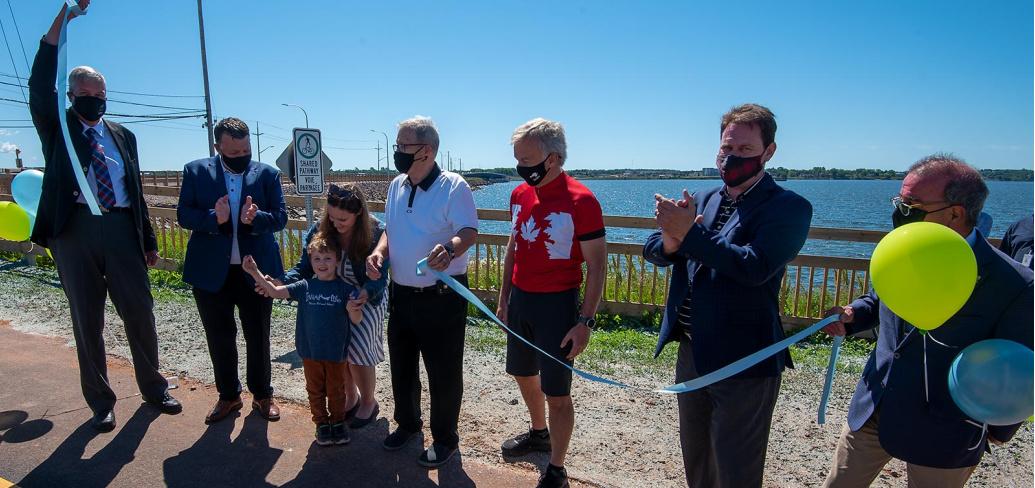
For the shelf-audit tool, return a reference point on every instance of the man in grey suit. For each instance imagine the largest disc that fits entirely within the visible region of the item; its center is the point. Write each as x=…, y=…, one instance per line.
x=96, y=255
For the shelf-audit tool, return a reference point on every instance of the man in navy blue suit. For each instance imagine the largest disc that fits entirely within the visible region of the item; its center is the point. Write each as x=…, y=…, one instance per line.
x=728, y=247
x=902, y=407
x=234, y=206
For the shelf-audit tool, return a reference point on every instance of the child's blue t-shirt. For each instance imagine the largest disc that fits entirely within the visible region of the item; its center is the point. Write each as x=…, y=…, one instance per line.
x=322, y=325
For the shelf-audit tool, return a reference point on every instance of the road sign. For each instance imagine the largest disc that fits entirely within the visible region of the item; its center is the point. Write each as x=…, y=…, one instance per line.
x=308, y=161
x=286, y=161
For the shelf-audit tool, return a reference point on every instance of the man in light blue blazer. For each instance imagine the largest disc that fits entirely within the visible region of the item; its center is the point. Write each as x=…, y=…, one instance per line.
x=234, y=206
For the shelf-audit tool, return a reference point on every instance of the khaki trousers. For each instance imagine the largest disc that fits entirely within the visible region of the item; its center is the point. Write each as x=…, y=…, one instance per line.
x=859, y=458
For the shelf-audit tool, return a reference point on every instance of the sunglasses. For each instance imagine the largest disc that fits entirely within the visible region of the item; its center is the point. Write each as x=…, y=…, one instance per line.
x=343, y=198
x=906, y=209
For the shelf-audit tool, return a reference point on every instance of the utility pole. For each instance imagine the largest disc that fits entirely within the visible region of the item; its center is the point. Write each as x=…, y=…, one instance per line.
x=258, y=140
x=449, y=162
x=204, y=71
x=378, y=163
x=461, y=164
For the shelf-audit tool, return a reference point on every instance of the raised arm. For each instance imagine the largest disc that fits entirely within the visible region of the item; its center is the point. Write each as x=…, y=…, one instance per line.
x=269, y=289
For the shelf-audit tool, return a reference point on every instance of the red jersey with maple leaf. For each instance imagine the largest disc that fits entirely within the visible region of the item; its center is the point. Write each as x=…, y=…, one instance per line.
x=548, y=224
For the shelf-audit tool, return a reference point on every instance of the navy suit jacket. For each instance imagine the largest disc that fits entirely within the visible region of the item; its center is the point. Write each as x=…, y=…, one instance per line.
x=736, y=273
x=208, y=251
x=935, y=432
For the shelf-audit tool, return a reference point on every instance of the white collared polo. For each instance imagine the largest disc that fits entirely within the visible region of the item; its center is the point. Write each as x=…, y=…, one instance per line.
x=419, y=217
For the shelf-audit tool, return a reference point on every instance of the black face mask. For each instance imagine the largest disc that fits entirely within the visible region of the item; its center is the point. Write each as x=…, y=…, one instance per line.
x=735, y=170
x=533, y=175
x=403, y=161
x=898, y=217
x=89, y=108
x=238, y=164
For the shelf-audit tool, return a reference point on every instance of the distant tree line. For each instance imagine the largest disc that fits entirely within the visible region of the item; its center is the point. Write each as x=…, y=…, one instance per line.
x=815, y=173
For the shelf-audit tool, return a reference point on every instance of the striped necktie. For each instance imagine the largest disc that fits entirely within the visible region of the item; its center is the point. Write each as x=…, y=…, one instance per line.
x=105, y=190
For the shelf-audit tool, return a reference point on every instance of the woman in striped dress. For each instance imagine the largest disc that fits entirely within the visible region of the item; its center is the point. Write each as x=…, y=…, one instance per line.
x=347, y=220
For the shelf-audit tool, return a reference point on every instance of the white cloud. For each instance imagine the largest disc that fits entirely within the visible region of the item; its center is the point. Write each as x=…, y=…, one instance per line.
x=7, y=132
x=7, y=147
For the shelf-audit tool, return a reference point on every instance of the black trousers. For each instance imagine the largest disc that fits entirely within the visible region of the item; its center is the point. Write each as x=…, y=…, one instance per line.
x=724, y=428
x=430, y=324
x=98, y=256
x=217, y=317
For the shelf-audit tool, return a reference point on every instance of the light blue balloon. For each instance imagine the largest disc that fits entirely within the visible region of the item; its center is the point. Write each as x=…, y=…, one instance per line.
x=992, y=381
x=26, y=189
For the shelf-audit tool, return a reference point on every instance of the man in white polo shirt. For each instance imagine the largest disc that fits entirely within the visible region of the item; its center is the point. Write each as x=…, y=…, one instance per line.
x=428, y=213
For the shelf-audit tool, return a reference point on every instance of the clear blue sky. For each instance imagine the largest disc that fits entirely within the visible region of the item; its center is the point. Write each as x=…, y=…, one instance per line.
x=636, y=84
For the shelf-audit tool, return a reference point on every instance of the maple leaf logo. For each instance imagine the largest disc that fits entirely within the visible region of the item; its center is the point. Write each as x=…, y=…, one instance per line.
x=561, y=232
x=528, y=230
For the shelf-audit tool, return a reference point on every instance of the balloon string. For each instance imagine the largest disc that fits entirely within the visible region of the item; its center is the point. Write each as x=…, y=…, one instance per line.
x=926, y=398
x=981, y=438
x=935, y=339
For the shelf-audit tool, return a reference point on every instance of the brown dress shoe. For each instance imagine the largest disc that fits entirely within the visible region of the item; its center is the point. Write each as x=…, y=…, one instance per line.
x=223, y=409
x=267, y=408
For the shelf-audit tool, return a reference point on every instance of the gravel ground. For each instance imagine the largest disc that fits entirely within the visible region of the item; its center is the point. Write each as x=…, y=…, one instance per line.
x=622, y=438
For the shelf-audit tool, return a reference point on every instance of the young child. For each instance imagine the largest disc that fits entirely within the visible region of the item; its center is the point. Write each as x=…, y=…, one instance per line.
x=326, y=311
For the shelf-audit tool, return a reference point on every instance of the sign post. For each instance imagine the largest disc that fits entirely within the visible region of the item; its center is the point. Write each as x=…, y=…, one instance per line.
x=308, y=167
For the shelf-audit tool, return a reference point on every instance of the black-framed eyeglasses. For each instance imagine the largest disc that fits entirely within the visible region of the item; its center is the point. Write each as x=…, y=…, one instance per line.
x=343, y=198
x=906, y=209
x=401, y=147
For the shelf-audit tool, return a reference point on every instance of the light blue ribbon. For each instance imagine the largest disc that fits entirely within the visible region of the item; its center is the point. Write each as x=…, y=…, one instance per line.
x=834, y=351
x=422, y=269
x=748, y=361
x=694, y=384
x=62, y=89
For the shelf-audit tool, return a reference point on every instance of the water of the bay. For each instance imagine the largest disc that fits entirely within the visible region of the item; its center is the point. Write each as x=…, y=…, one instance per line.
x=856, y=204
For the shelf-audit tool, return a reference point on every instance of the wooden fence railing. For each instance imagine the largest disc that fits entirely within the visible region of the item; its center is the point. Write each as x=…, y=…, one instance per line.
x=810, y=285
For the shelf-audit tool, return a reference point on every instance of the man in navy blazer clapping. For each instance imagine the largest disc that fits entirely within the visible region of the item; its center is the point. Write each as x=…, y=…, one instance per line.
x=234, y=206
x=728, y=247
x=902, y=407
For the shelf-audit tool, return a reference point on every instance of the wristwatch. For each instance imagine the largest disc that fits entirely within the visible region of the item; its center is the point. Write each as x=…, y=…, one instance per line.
x=588, y=321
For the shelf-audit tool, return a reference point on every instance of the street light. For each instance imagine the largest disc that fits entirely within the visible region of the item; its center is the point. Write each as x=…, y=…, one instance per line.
x=387, y=145
x=263, y=149
x=303, y=112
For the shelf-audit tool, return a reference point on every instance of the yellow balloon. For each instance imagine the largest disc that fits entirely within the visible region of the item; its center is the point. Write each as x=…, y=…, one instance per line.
x=14, y=222
x=924, y=272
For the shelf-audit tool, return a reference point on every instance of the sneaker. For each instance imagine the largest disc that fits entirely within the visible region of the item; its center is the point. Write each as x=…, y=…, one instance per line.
x=436, y=456
x=554, y=477
x=324, y=436
x=527, y=442
x=398, y=439
x=340, y=433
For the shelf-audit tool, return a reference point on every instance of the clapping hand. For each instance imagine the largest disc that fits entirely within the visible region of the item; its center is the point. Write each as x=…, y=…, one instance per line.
x=222, y=209
x=250, y=209
x=674, y=218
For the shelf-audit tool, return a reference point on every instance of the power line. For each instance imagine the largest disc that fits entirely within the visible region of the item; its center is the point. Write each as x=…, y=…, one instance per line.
x=137, y=93
x=115, y=100
x=10, y=55
x=14, y=18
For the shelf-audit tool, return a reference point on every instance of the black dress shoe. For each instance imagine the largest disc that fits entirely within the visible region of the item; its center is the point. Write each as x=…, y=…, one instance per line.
x=103, y=421
x=166, y=404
